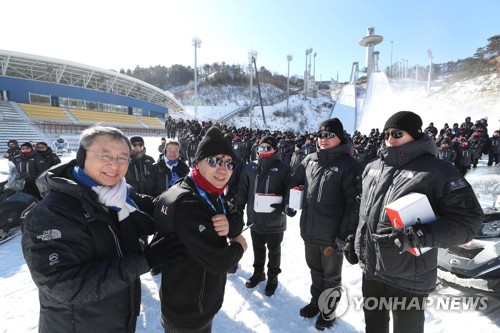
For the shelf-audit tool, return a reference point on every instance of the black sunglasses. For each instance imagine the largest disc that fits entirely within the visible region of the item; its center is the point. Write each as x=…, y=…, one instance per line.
x=137, y=144
x=396, y=134
x=264, y=148
x=217, y=162
x=326, y=135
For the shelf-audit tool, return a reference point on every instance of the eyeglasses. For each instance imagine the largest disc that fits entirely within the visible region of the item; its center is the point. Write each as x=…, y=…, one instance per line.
x=264, y=148
x=217, y=162
x=137, y=144
x=107, y=157
x=396, y=134
x=326, y=135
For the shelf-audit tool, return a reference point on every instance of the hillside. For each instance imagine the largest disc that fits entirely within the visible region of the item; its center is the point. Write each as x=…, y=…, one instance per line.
x=449, y=100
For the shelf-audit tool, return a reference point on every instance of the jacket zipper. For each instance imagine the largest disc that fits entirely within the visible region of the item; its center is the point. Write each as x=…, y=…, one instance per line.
x=320, y=190
x=117, y=244
x=202, y=291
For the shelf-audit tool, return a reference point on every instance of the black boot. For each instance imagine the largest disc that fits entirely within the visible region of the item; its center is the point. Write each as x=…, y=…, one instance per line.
x=272, y=284
x=310, y=310
x=257, y=277
x=322, y=323
x=155, y=270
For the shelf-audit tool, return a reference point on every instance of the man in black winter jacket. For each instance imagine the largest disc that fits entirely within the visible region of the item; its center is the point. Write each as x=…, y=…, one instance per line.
x=81, y=242
x=408, y=164
x=329, y=213
x=268, y=175
x=140, y=169
x=195, y=210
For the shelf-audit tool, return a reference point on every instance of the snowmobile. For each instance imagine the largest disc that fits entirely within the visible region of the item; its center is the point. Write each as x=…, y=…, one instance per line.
x=14, y=205
x=476, y=264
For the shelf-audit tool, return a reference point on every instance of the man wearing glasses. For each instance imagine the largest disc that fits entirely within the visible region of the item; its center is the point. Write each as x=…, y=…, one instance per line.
x=270, y=176
x=81, y=242
x=196, y=212
x=329, y=212
x=407, y=164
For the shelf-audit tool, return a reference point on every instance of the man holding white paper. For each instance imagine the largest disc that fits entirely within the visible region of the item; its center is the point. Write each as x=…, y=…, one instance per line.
x=263, y=188
x=408, y=164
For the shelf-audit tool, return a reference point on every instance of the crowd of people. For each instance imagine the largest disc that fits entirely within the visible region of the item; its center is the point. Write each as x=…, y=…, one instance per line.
x=181, y=214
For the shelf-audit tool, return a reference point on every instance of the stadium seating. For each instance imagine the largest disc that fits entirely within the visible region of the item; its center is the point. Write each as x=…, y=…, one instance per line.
x=152, y=122
x=86, y=116
x=44, y=112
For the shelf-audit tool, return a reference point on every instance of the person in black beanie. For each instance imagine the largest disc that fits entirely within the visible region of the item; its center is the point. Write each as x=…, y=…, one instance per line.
x=267, y=175
x=407, y=164
x=209, y=229
x=140, y=169
x=329, y=216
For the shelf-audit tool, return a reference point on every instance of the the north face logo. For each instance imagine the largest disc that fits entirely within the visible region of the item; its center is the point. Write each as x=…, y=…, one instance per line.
x=201, y=227
x=164, y=209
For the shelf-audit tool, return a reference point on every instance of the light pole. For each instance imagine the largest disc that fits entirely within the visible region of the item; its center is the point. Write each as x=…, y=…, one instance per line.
x=196, y=43
x=306, y=72
x=288, y=58
x=252, y=54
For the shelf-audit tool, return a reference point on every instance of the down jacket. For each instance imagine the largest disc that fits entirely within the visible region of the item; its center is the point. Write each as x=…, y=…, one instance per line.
x=270, y=176
x=413, y=167
x=330, y=209
x=85, y=264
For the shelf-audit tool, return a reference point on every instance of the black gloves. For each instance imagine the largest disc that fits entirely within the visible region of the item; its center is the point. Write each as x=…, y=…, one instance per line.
x=163, y=250
x=278, y=208
x=403, y=238
x=290, y=211
x=349, y=252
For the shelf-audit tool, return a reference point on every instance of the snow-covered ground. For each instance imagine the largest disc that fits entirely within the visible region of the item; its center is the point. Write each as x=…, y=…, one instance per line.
x=248, y=310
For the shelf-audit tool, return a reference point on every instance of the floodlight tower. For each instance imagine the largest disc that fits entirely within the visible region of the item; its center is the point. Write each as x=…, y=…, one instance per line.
x=196, y=43
x=369, y=41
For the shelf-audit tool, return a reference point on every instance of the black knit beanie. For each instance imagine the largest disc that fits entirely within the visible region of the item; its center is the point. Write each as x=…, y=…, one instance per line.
x=270, y=140
x=135, y=139
x=407, y=121
x=213, y=143
x=27, y=144
x=333, y=125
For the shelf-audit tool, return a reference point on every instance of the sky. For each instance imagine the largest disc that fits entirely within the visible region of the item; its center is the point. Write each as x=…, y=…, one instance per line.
x=124, y=34
x=248, y=310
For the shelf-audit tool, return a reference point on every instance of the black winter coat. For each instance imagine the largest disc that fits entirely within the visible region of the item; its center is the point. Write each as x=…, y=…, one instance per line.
x=140, y=173
x=330, y=209
x=413, y=167
x=266, y=175
x=44, y=160
x=85, y=264
x=162, y=174
x=192, y=286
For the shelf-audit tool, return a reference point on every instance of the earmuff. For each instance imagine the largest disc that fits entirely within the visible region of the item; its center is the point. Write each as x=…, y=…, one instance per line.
x=81, y=155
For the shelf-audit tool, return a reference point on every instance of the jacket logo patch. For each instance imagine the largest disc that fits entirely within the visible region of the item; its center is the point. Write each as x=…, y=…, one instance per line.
x=334, y=169
x=201, y=228
x=456, y=184
x=49, y=234
x=53, y=259
x=164, y=210
x=274, y=169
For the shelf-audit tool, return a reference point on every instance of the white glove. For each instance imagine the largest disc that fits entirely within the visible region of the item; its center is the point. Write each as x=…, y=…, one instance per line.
x=115, y=197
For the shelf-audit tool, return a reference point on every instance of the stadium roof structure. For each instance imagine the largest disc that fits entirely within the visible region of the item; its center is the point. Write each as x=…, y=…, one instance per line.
x=39, y=68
